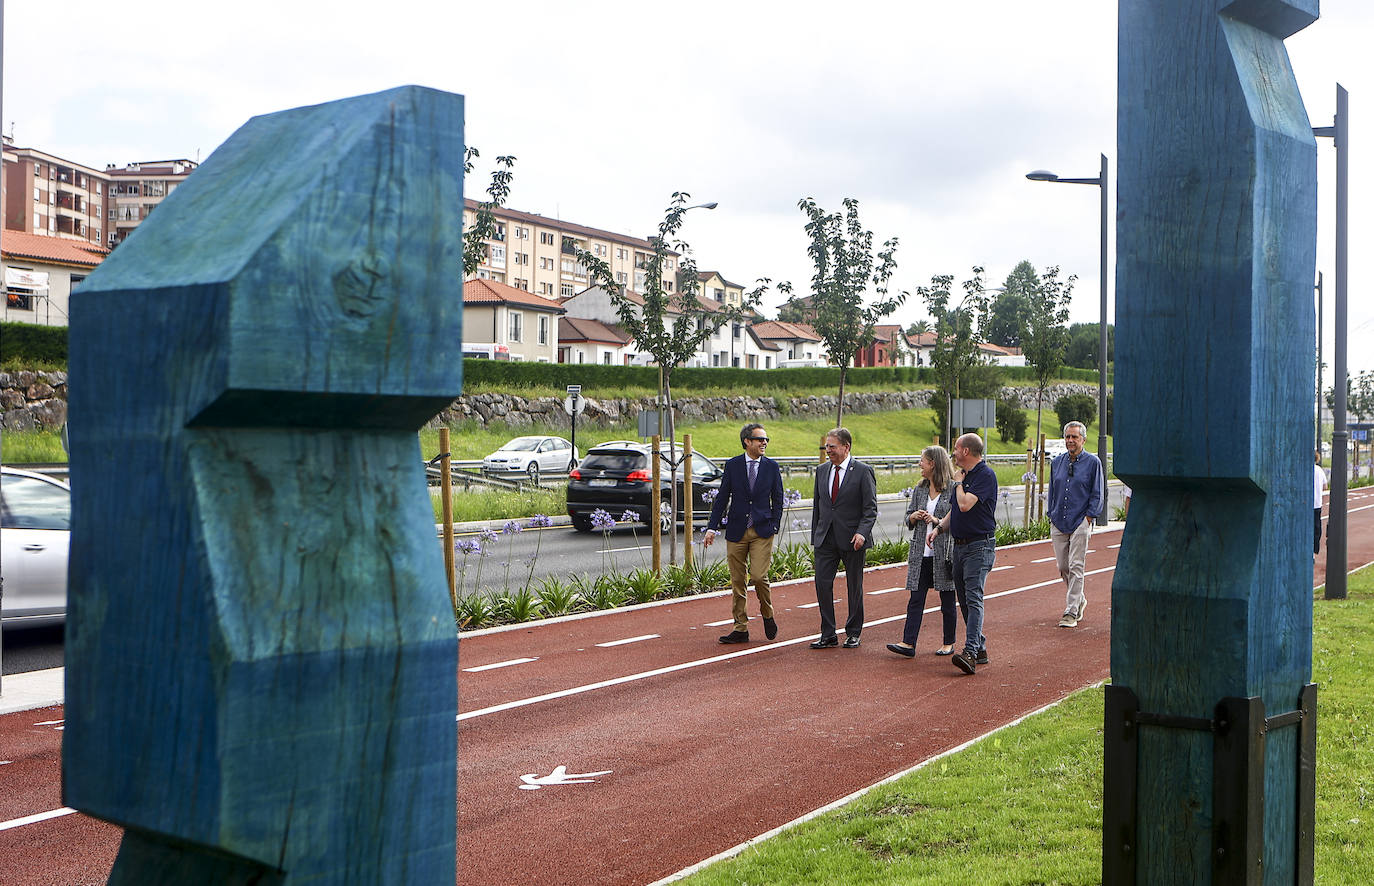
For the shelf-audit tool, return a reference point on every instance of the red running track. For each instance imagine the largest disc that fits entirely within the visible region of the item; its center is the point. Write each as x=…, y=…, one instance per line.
x=704, y=746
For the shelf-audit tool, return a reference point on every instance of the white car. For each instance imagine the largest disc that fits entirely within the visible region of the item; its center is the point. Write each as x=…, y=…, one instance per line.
x=35, y=531
x=532, y=456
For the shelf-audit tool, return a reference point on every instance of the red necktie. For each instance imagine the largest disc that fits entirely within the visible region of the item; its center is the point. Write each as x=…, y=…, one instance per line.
x=834, y=482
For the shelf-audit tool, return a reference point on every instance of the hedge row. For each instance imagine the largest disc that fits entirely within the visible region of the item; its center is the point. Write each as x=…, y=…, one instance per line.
x=500, y=374
x=31, y=342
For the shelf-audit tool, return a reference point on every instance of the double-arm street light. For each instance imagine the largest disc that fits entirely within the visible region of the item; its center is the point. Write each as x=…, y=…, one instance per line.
x=1042, y=175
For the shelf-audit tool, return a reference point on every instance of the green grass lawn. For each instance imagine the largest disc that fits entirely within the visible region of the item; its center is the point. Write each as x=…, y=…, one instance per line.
x=1025, y=805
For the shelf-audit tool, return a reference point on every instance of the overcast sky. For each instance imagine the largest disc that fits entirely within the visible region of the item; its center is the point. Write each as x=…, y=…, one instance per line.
x=929, y=113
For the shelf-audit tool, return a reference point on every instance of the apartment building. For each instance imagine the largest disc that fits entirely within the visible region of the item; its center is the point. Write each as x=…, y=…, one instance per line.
x=539, y=254
x=135, y=190
x=40, y=272
x=47, y=196
x=714, y=287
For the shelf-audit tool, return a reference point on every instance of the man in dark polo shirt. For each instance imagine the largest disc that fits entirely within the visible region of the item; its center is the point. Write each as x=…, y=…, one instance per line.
x=972, y=522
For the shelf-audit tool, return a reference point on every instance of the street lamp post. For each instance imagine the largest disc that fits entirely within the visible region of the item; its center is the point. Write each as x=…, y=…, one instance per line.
x=1041, y=175
x=1336, y=525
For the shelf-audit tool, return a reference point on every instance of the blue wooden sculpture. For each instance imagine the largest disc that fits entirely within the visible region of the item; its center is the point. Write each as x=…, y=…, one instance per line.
x=1212, y=597
x=261, y=652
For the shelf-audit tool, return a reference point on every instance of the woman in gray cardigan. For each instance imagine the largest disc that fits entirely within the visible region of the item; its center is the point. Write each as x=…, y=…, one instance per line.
x=929, y=566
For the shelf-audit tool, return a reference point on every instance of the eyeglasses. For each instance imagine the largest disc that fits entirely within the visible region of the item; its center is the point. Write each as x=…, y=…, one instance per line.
x=759, y=439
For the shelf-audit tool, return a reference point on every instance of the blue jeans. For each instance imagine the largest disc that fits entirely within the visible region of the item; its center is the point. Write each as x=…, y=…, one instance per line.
x=972, y=563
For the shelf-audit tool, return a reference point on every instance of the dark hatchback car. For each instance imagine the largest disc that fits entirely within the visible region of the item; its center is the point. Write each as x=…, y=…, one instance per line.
x=617, y=477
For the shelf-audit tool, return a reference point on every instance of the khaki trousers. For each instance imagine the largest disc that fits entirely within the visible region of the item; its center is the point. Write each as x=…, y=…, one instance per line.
x=749, y=559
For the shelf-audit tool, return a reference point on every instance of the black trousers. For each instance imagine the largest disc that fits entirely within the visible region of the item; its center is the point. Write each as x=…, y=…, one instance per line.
x=829, y=555
x=916, y=604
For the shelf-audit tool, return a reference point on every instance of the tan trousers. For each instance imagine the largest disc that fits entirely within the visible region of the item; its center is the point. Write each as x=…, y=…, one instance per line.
x=749, y=559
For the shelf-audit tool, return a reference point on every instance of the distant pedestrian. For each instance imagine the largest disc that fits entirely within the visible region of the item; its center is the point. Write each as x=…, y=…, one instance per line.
x=1125, y=501
x=752, y=497
x=1318, y=484
x=973, y=523
x=1075, y=500
x=928, y=565
x=844, y=508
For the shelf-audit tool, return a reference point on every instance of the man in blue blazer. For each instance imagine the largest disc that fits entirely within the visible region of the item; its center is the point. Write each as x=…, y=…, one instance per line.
x=750, y=505
x=844, y=508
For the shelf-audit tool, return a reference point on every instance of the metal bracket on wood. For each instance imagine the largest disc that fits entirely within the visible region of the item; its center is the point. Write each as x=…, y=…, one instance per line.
x=1239, y=729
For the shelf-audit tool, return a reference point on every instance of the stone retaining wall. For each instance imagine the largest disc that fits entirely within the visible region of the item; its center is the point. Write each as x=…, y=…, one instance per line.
x=30, y=399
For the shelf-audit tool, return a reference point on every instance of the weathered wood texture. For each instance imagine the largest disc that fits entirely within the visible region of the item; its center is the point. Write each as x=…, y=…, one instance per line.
x=261, y=654
x=1216, y=240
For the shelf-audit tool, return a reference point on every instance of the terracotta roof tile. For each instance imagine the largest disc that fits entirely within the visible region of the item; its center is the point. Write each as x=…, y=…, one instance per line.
x=581, y=329
x=20, y=244
x=478, y=292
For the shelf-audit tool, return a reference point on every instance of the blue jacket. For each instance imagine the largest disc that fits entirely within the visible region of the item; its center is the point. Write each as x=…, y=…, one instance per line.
x=764, y=502
x=1074, y=499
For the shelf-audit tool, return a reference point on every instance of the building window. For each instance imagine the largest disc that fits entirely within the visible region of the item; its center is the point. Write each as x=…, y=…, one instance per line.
x=622, y=253
x=606, y=358
x=581, y=357
x=565, y=289
x=621, y=277
x=715, y=359
x=522, y=284
x=667, y=264
x=515, y=318
x=736, y=330
x=112, y=213
x=546, y=238
x=37, y=171
x=522, y=233
x=720, y=295
x=500, y=233
x=522, y=258
x=545, y=264
x=496, y=256
x=154, y=189
x=543, y=330
x=546, y=289
x=599, y=249
x=668, y=285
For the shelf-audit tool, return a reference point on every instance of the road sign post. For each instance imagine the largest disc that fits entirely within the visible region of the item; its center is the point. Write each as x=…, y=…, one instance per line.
x=573, y=405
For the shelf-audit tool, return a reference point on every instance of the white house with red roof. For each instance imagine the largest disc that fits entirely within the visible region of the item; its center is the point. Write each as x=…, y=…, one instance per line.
x=497, y=314
x=39, y=275
x=797, y=344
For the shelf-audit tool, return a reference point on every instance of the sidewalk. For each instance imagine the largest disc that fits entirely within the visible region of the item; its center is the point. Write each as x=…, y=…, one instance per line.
x=33, y=689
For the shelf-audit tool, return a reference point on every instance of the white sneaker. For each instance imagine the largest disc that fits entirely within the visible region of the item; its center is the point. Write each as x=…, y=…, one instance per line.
x=1068, y=621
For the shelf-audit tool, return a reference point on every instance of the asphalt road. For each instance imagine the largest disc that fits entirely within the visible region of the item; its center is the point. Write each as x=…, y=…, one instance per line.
x=560, y=551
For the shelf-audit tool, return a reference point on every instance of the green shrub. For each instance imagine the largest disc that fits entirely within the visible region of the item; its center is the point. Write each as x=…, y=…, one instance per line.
x=1011, y=534
x=1011, y=420
x=644, y=585
x=30, y=342
x=556, y=598
x=1076, y=407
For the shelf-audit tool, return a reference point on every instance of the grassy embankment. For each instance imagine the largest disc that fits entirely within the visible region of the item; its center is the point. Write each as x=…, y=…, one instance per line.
x=1025, y=805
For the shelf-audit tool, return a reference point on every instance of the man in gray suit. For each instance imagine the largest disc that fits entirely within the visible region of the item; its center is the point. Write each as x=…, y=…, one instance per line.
x=843, y=511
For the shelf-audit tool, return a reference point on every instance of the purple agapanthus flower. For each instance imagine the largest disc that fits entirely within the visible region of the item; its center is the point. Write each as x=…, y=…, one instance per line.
x=1028, y=477
x=629, y=517
x=602, y=520
x=791, y=497
x=510, y=528
x=466, y=546
x=487, y=536
x=710, y=495
x=539, y=521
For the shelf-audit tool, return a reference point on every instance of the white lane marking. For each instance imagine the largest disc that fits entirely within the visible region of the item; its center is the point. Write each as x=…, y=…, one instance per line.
x=720, y=624
x=886, y=591
x=5, y=762
x=1000, y=568
x=628, y=640
x=50, y=723
x=1113, y=546
x=560, y=775
x=1044, y=560
x=808, y=606
x=499, y=664
x=686, y=665
x=35, y=819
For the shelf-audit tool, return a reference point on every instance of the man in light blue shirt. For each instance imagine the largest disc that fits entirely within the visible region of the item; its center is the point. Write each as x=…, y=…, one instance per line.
x=1075, y=500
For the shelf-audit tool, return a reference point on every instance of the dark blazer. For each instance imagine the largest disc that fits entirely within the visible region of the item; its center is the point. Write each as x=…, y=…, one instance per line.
x=764, y=502
x=854, y=510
